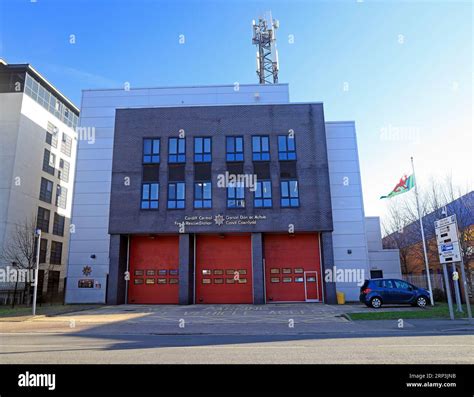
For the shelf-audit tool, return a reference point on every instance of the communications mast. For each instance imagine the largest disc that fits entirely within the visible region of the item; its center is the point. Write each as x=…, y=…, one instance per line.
x=267, y=55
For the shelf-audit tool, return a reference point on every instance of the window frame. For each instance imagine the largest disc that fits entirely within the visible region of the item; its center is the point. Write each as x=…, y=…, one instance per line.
x=50, y=196
x=286, y=152
x=180, y=157
x=39, y=225
x=152, y=153
x=58, y=227
x=236, y=198
x=203, y=200
x=258, y=155
x=61, y=199
x=206, y=156
x=53, y=254
x=234, y=153
x=176, y=200
x=263, y=198
x=289, y=197
x=149, y=198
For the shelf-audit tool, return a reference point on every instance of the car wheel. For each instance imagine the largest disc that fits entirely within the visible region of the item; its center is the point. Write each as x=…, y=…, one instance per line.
x=376, y=303
x=421, y=301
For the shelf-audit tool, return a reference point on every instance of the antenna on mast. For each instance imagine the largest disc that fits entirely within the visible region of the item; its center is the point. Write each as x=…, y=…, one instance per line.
x=267, y=55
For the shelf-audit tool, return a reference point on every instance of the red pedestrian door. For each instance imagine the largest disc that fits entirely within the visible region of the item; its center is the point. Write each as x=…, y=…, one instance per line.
x=311, y=287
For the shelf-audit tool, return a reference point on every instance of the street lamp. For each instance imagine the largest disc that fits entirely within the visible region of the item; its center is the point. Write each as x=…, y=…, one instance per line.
x=16, y=285
x=35, y=292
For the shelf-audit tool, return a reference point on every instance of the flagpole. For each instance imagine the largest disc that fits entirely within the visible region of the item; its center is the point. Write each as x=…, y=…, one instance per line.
x=422, y=234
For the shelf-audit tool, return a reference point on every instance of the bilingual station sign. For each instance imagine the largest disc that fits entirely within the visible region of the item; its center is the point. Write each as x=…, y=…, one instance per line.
x=447, y=239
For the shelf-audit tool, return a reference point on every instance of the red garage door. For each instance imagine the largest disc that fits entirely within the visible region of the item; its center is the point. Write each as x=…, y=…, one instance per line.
x=292, y=268
x=154, y=270
x=223, y=269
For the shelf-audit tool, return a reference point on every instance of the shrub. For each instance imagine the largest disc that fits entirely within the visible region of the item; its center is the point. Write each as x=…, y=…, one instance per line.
x=438, y=295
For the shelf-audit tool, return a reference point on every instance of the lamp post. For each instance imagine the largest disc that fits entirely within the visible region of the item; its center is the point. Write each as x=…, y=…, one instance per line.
x=35, y=292
x=16, y=285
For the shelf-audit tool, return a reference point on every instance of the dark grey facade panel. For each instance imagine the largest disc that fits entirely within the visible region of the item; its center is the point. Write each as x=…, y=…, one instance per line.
x=118, y=267
x=307, y=122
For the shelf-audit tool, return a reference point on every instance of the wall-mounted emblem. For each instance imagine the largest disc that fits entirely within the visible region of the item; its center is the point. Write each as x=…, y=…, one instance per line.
x=219, y=220
x=86, y=271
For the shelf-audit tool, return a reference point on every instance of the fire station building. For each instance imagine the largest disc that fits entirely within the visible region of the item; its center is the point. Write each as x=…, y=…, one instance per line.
x=220, y=204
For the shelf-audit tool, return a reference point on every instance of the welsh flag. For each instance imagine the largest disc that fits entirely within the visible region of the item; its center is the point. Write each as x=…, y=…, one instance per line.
x=405, y=184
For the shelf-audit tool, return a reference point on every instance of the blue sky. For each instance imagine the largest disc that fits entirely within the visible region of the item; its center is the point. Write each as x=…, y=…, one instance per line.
x=407, y=66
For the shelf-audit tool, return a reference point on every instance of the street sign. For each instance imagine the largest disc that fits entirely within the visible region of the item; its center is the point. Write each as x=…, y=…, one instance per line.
x=449, y=253
x=447, y=234
x=445, y=221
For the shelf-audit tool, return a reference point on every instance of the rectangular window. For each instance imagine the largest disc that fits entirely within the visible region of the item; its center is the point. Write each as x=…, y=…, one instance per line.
x=260, y=148
x=43, y=250
x=202, y=150
x=56, y=253
x=235, y=195
x=150, y=196
x=46, y=190
x=49, y=162
x=151, y=151
x=176, y=150
x=63, y=172
x=58, y=225
x=61, y=196
x=66, y=144
x=289, y=194
x=176, y=195
x=52, y=135
x=286, y=147
x=263, y=194
x=235, y=148
x=202, y=195
x=42, y=220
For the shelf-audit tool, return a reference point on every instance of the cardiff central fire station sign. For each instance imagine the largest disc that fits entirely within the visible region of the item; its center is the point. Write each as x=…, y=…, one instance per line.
x=447, y=239
x=220, y=220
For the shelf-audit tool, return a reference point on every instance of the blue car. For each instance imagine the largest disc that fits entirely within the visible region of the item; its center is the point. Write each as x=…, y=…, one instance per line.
x=377, y=292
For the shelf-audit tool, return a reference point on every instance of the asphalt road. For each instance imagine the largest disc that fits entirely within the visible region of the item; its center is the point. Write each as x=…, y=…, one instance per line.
x=272, y=349
x=231, y=334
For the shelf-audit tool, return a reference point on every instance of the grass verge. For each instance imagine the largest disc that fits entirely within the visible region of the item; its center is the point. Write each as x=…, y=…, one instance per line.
x=440, y=310
x=47, y=310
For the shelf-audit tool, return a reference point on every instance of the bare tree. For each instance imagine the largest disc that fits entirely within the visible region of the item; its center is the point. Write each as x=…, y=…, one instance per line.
x=402, y=228
x=21, y=251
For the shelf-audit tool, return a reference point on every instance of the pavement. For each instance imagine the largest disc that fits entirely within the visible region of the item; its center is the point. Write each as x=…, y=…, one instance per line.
x=276, y=333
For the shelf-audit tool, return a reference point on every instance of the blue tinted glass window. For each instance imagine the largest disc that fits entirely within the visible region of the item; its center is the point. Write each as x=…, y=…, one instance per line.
x=151, y=150
x=150, y=195
x=235, y=148
x=202, y=195
x=289, y=194
x=286, y=147
x=263, y=194
x=177, y=150
x=235, y=196
x=176, y=195
x=202, y=150
x=260, y=148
